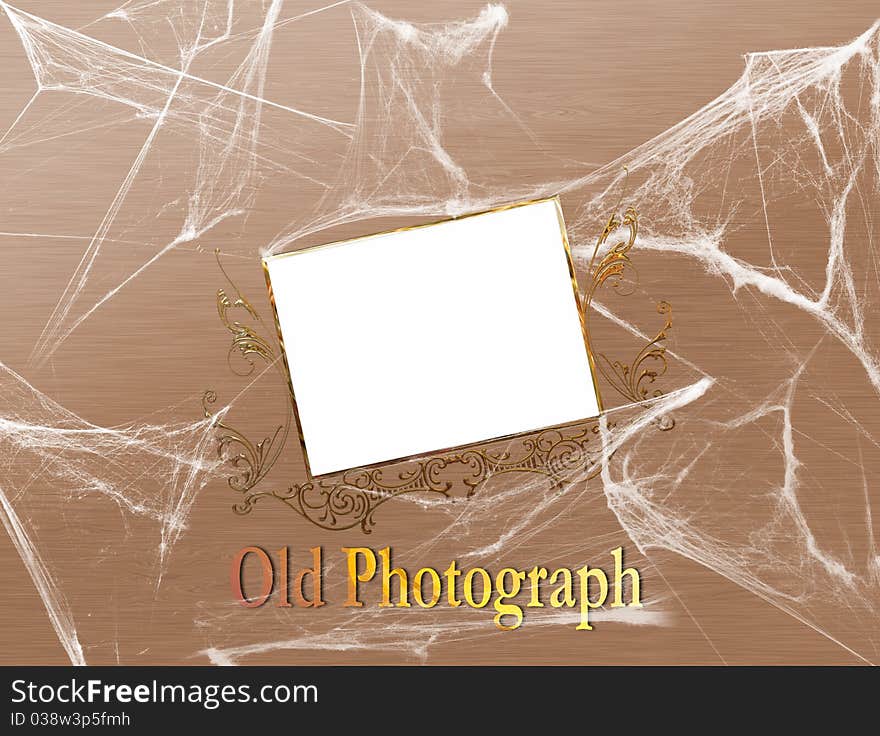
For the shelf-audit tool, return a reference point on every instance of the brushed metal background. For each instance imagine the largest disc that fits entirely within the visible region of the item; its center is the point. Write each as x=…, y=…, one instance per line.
x=590, y=81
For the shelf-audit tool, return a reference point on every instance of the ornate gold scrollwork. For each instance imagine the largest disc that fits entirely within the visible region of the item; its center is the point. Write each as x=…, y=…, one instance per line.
x=245, y=340
x=616, y=261
x=631, y=380
x=350, y=499
x=251, y=460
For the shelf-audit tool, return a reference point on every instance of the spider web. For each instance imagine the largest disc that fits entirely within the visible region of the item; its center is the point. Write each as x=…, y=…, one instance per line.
x=799, y=129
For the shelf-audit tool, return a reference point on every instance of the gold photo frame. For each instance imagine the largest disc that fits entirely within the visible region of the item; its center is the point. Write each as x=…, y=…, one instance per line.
x=405, y=458
x=350, y=498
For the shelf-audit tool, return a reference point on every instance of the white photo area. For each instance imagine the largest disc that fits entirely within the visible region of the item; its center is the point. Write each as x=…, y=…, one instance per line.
x=429, y=338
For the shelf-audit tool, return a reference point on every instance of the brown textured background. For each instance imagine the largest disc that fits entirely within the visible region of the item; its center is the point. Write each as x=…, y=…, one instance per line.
x=592, y=81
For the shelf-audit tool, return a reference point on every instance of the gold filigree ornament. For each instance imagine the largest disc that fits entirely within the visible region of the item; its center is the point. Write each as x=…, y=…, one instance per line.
x=631, y=380
x=349, y=499
x=246, y=342
x=251, y=460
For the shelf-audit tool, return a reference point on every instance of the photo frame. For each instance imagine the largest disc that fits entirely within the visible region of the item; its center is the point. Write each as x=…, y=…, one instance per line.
x=349, y=498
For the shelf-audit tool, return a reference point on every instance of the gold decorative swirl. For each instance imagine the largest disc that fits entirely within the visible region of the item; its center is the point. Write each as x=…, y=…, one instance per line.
x=616, y=261
x=246, y=342
x=351, y=500
x=631, y=380
x=251, y=460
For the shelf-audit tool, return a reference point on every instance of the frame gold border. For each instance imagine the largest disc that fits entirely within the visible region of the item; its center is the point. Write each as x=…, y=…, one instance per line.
x=349, y=498
x=439, y=451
